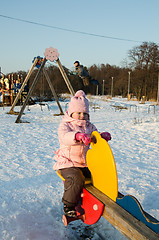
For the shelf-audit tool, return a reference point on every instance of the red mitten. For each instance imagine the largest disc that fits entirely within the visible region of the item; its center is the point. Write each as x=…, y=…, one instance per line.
x=83, y=137
x=106, y=136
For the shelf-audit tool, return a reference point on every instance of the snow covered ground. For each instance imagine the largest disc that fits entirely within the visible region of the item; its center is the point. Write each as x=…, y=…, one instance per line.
x=30, y=191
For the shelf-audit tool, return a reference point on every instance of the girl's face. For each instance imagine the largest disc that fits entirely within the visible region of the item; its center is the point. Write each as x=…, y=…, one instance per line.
x=80, y=116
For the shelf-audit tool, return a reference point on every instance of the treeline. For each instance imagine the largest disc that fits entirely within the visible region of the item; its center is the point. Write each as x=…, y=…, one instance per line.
x=141, y=72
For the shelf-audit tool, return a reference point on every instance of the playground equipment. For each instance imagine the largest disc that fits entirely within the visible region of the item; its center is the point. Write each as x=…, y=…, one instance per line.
x=22, y=87
x=52, y=55
x=124, y=212
x=151, y=106
x=9, y=88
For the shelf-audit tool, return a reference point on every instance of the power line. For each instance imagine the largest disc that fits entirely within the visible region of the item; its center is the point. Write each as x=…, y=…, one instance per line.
x=68, y=30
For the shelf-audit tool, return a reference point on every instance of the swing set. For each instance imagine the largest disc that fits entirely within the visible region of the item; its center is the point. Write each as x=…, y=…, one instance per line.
x=52, y=55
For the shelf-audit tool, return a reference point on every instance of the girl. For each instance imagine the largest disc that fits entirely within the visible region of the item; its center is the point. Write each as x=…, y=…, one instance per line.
x=74, y=136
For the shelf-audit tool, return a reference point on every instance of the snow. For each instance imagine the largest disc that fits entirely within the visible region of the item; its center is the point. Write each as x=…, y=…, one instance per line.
x=31, y=191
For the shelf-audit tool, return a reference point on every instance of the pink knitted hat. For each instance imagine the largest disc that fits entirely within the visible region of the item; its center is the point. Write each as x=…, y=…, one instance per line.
x=78, y=103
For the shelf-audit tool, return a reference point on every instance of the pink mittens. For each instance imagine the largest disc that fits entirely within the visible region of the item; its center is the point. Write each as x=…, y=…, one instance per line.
x=86, y=139
x=106, y=136
x=83, y=137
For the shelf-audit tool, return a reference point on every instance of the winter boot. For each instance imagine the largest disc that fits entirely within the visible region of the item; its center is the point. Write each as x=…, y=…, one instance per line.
x=69, y=211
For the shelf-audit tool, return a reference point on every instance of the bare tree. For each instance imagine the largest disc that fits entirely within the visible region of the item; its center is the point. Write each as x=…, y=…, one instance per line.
x=145, y=65
x=145, y=56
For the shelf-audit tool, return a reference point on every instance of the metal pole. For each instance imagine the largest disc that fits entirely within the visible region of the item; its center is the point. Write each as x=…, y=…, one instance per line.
x=65, y=77
x=30, y=91
x=158, y=90
x=97, y=90
x=53, y=90
x=128, y=84
x=112, y=88
x=22, y=87
x=103, y=87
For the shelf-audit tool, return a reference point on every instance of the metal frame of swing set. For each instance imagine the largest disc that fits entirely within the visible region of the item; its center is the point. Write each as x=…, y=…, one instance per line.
x=63, y=73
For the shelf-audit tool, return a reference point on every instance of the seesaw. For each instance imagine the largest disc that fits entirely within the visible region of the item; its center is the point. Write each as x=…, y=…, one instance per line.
x=89, y=209
x=101, y=197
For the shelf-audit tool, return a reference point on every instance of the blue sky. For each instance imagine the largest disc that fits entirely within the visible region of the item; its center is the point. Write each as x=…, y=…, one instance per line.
x=20, y=42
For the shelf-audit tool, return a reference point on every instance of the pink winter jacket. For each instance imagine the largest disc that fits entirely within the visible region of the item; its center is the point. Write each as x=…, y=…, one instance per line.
x=71, y=152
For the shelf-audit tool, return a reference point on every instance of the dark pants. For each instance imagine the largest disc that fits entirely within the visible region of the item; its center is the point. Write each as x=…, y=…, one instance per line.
x=73, y=185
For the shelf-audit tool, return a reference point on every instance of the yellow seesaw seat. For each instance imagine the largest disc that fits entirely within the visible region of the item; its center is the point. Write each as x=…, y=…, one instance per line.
x=101, y=163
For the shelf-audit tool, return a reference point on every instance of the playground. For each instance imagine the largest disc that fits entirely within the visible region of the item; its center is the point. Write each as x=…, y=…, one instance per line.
x=133, y=148
x=101, y=191
x=31, y=191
